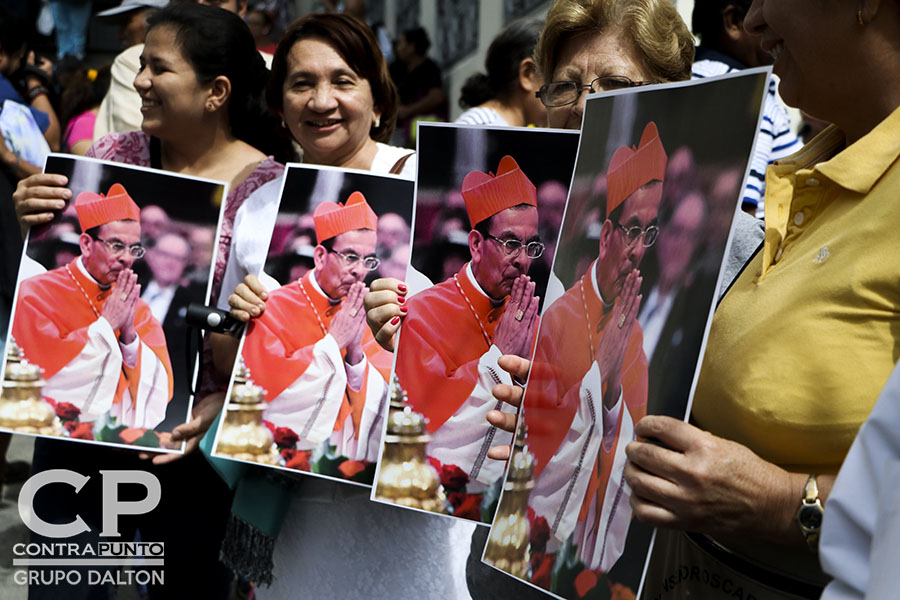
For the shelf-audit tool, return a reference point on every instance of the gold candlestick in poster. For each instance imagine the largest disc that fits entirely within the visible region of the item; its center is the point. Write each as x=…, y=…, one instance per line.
x=507, y=547
x=244, y=437
x=406, y=477
x=22, y=408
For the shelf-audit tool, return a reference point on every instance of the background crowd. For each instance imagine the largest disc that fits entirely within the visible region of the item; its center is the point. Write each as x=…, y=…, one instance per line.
x=795, y=363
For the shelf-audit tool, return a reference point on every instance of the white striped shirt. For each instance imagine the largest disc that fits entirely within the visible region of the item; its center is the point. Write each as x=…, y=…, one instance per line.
x=776, y=139
x=481, y=116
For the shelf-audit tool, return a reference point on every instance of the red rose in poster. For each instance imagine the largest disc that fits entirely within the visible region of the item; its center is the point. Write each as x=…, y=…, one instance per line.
x=585, y=582
x=540, y=533
x=456, y=499
x=296, y=459
x=542, y=569
x=70, y=425
x=67, y=411
x=130, y=434
x=619, y=591
x=434, y=463
x=453, y=478
x=470, y=508
x=285, y=437
x=349, y=468
x=82, y=431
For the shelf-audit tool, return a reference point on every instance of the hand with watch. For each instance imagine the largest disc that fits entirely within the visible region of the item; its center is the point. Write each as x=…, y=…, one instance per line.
x=699, y=482
x=809, y=515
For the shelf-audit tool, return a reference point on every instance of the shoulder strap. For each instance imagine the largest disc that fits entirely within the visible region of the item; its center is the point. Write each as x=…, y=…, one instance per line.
x=398, y=166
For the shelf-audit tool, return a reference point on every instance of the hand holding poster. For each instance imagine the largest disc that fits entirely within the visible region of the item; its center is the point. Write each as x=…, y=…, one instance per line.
x=320, y=378
x=485, y=231
x=643, y=237
x=105, y=328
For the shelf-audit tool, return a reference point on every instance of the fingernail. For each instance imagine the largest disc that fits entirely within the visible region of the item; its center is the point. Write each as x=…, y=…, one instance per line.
x=403, y=309
x=60, y=205
x=402, y=287
x=255, y=311
x=401, y=299
x=395, y=320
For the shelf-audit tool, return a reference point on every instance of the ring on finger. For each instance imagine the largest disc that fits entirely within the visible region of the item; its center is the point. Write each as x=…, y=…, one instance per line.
x=622, y=322
x=520, y=314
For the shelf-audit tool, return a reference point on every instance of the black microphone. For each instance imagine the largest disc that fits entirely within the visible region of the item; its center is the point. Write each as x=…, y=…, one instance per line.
x=205, y=317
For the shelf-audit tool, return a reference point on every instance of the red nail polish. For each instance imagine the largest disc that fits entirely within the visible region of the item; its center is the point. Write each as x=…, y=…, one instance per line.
x=402, y=287
x=395, y=320
x=403, y=309
x=401, y=299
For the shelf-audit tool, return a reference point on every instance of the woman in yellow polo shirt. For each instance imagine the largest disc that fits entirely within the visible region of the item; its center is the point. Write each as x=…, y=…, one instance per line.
x=803, y=342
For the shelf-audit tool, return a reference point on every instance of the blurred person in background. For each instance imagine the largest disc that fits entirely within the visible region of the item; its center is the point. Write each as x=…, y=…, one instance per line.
x=28, y=87
x=394, y=265
x=83, y=90
x=70, y=19
x=260, y=24
x=168, y=293
x=203, y=245
x=419, y=83
x=505, y=94
x=725, y=46
x=393, y=231
x=155, y=221
x=120, y=109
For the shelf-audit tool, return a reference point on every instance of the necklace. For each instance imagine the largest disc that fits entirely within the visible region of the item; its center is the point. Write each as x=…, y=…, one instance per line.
x=313, y=307
x=587, y=321
x=83, y=292
x=484, y=333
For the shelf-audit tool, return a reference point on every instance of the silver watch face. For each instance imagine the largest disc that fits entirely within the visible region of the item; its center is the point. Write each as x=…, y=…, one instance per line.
x=810, y=516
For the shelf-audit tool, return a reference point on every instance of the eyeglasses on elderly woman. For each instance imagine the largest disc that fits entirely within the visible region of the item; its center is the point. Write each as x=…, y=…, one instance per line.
x=562, y=93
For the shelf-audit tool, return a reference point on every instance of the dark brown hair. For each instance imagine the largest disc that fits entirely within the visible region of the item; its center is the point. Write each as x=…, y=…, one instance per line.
x=355, y=43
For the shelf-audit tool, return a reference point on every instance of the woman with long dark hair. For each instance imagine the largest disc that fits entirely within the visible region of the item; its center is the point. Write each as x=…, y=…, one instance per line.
x=201, y=83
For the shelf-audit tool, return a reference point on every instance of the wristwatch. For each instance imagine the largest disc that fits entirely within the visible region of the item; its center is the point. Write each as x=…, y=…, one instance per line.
x=809, y=516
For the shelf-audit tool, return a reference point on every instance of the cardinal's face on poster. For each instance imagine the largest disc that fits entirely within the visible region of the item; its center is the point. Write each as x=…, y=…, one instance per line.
x=343, y=264
x=618, y=255
x=109, y=253
x=494, y=268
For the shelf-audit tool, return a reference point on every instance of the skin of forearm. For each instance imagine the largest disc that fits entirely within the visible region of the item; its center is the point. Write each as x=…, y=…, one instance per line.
x=782, y=502
x=224, y=352
x=42, y=103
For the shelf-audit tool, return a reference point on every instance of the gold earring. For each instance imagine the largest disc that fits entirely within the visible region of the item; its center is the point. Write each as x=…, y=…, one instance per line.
x=859, y=17
x=377, y=122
